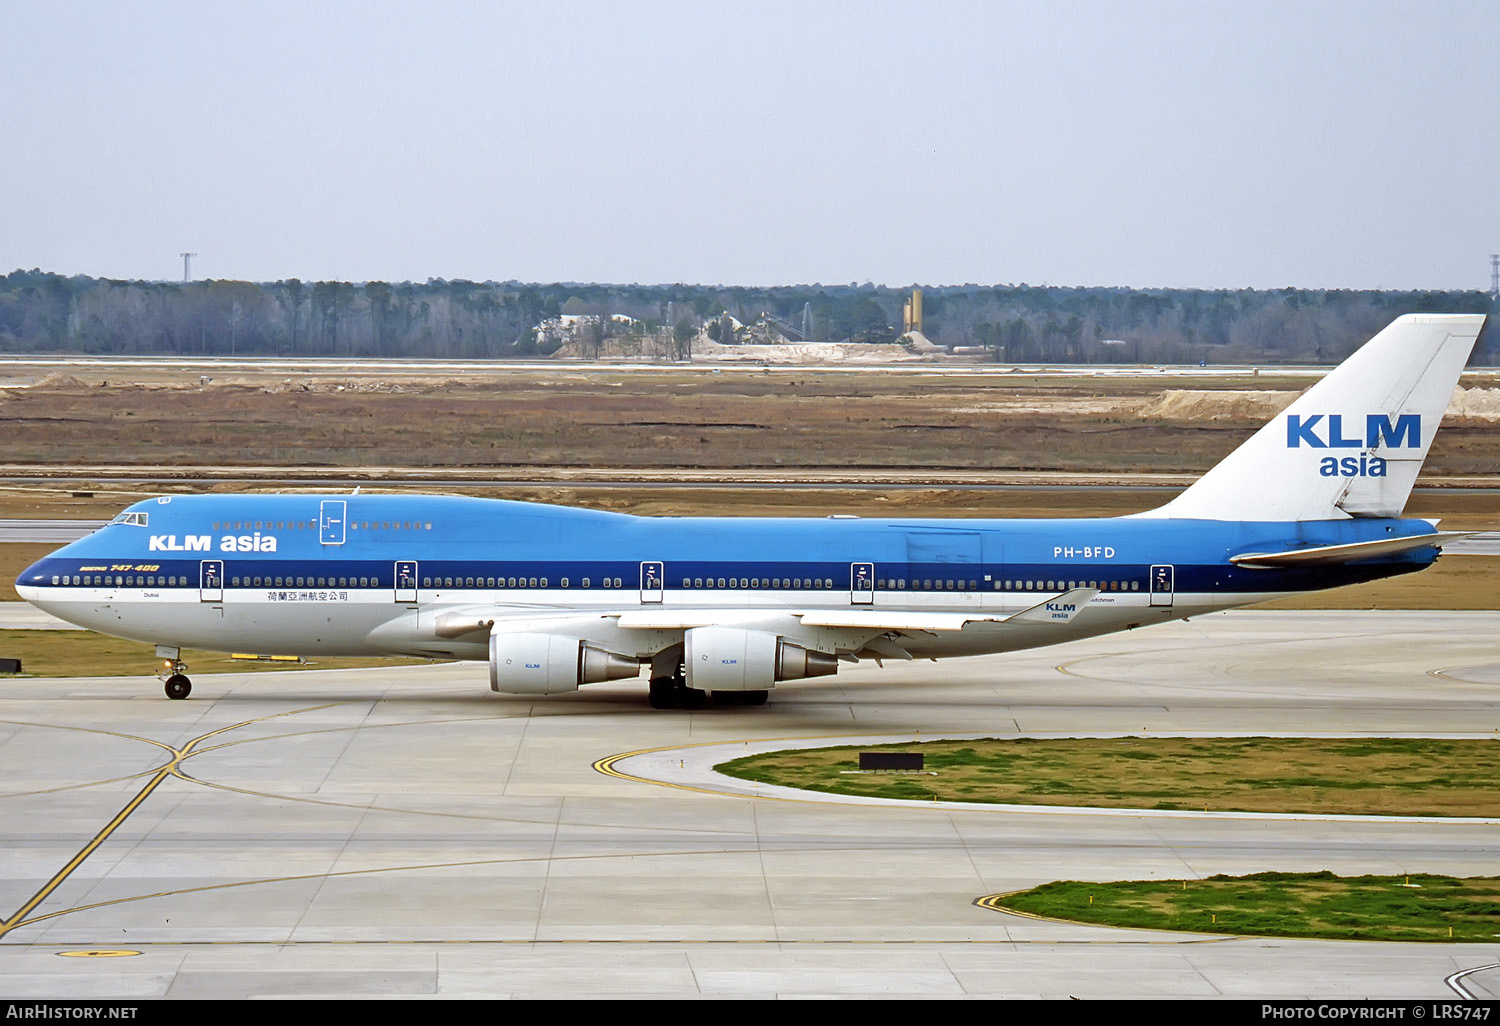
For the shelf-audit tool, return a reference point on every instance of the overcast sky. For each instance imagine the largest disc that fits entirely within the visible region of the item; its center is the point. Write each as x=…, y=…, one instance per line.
x=1209, y=144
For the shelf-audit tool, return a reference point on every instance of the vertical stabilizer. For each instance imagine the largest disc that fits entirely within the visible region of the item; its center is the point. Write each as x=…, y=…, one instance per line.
x=1353, y=443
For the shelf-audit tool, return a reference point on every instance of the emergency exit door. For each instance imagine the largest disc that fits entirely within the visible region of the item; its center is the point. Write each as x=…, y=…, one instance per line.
x=331, y=515
x=211, y=580
x=406, y=580
x=861, y=584
x=1162, y=582
x=653, y=578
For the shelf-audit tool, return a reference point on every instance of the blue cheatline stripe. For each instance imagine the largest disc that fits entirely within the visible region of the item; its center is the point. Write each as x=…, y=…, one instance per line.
x=245, y=573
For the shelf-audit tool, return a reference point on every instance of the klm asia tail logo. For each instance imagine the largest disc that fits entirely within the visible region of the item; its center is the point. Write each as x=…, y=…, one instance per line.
x=1404, y=432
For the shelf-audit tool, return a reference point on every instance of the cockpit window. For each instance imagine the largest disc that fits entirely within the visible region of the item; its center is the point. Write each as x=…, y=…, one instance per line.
x=135, y=518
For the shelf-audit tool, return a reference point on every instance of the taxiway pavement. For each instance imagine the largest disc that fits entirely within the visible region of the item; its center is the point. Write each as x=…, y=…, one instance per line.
x=405, y=832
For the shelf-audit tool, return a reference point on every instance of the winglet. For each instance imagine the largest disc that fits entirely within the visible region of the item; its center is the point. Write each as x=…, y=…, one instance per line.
x=1336, y=555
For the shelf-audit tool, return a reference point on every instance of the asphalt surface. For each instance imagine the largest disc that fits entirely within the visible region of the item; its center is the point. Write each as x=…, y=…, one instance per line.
x=404, y=832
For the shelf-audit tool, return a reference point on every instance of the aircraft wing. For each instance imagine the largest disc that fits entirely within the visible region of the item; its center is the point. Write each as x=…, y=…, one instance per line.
x=1060, y=609
x=1332, y=555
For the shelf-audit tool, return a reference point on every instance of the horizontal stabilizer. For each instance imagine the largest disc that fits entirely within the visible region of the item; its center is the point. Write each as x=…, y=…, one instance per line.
x=1333, y=555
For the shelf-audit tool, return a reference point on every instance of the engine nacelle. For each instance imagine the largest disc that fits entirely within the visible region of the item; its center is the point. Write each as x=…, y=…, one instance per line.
x=736, y=659
x=550, y=664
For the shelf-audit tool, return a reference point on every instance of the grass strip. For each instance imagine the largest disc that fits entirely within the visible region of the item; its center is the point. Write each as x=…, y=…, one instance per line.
x=1312, y=905
x=1325, y=776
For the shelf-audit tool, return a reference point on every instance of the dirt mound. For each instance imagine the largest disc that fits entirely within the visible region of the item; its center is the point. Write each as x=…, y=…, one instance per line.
x=60, y=380
x=1195, y=404
x=1482, y=404
x=1475, y=404
x=805, y=352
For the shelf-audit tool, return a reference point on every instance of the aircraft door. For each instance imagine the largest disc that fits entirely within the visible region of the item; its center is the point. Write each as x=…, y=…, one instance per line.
x=1162, y=580
x=211, y=580
x=861, y=584
x=406, y=580
x=653, y=578
x=331, y=514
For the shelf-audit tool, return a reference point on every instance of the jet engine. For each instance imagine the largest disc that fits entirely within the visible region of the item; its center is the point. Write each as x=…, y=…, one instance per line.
x=736, y=659
x=549, y=664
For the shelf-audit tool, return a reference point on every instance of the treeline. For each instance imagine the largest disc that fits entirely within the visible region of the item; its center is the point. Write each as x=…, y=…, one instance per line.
x=44, y=312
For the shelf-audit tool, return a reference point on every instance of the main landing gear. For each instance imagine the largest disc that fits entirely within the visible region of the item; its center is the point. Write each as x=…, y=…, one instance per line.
x=176, y=683
x=669, y=691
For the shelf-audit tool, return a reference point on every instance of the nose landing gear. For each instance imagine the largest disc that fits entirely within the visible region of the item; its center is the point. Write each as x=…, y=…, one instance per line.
x=176, y=683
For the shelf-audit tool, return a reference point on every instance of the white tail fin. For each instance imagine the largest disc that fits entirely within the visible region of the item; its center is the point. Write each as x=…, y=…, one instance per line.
x=1353, y=443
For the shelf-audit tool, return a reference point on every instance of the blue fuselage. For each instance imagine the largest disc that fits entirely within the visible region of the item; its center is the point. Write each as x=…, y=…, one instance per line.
x=304, y=574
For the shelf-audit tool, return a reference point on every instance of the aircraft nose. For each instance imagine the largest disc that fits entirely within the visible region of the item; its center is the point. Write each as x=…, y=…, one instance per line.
x=29, y=583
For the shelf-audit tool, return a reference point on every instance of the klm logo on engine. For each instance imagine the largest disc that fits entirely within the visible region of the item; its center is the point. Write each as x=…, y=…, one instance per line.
x=1327, y=432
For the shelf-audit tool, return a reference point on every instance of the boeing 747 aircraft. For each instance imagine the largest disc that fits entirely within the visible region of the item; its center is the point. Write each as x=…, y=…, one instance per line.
x=555, y=598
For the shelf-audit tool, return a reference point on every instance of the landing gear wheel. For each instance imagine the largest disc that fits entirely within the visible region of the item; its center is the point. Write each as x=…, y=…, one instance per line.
x=178, y=686
x=669, y=691
x=663, y=692
x=755, y=697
